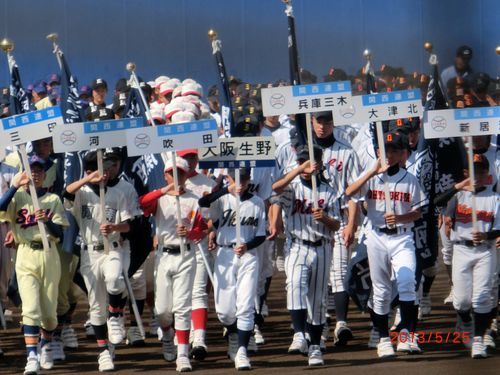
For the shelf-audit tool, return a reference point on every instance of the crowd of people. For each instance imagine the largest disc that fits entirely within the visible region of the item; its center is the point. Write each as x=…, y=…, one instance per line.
x=285, y=227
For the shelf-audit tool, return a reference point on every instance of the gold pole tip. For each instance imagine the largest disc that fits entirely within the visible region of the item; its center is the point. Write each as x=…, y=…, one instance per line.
x=497, y=50
x=53, y=37
x=130, y=67
x=7, y=45
x=428, y=46
x=367, y=54
x=212, y=34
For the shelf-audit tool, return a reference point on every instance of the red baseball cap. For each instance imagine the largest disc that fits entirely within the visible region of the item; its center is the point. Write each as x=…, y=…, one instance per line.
x=188, y=151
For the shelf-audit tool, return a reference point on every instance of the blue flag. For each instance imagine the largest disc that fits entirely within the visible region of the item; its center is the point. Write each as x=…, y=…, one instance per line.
x=19, y=101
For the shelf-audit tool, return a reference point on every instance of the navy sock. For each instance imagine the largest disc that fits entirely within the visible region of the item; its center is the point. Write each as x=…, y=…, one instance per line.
x=426, y=286
x=299, y=318
x=233, y=328
x=243, y=338
x=341, y=305
x=140, y=307
x=31, y=334
x=372, y=317
x=414, y=319
x=315, y=333
x=464, y=315
x=115, y=303
x=481, y=323
x=407, y=309
x=382, y=324
x=45, y=337
x=101, y=335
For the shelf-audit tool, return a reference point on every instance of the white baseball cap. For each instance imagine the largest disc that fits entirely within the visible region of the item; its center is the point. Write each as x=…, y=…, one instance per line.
x=159, y=80
x=181, y=163
x=182, y=116
x=192, y=88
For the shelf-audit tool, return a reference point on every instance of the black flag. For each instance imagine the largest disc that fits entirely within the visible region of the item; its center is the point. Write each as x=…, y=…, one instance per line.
x=19, y=101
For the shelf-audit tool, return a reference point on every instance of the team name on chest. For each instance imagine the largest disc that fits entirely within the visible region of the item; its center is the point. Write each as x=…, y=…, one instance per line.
x=26, y=220
x=394, y=195
x=229, y=219
x=305, y=206
x=464, y=214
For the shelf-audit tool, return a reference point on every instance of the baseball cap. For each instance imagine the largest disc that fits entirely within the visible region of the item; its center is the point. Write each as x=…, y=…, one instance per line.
x=114, y=153
x=245, y=173
x=247, y=125
x=464, y=52
x=85, y=90
x=122, y=85
x=99, y=82
x=187, y=151
x=40, y=87
x=327, y=115
x=481, y=161
x=394, y=140
x=303, y=153
x=90, y=161
x=35, y=159
x=54, y=78
x=55, y=94
x=179, y=162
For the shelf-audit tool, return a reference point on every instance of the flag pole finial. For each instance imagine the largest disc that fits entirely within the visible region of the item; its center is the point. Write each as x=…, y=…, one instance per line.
x=428, y=46
x=212, y=34
x=7, y=45
x=367, y=54
x=497, y=50
x=130, y=67
x=53, y=37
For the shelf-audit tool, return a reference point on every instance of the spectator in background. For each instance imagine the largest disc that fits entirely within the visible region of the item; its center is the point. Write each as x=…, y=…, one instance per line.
x=461, y=66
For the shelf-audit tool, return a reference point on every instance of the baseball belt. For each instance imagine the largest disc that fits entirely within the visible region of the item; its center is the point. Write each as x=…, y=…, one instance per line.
x=100, y=246
x=174, y=249
x=308, y=243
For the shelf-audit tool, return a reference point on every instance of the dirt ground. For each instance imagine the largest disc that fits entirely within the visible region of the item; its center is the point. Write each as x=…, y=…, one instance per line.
x=356, y=358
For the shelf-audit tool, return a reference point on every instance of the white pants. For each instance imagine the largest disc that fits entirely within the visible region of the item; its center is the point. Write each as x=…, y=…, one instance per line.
x=391, y=255
x=235, y=287
x=447, y=249
x=103, y=274
x=200, y=294
x=307, y=270
x=340, y=259
x=174, y=277
x=472, y=271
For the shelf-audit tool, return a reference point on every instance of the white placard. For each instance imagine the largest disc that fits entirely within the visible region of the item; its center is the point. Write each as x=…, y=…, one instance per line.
x=462, y=122
x=381, y=107
x=93, y=134
x=30, y=126
x=239, y=152
x=329, y=96
x=174, y=137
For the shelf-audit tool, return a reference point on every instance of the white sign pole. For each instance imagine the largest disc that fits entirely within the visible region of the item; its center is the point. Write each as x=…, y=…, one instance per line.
x=470, y=157
x=311, y=159
x=237, y=183
x=102, y=198
x=381, y=147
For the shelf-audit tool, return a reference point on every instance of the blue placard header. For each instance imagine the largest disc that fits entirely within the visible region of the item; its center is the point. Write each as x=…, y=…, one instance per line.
x=30, y=118
x=186, y=127
x=112, y=125
x=322, y=88
x=476, y=113
x=237, y=164
x=391, y=97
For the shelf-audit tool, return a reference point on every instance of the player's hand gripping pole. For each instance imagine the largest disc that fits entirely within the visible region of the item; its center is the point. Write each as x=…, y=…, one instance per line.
x=135, y=83
x=311, y=159
x=470, y=157
x=102, y=198
x=383, y=161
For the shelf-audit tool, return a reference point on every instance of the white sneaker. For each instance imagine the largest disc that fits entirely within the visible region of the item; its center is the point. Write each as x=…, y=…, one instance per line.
x=325, y=334
x=280, y=263
x=489, y=340
x=199, y=349
x=315, y=356
x=449, y=299
x=183, y=364
x=46, y=360
x=105, y=361
x=134, y=337
x=115, y=330
x=252, y=345
x=241, y=361
x=397, y=319
x=404, y=341
x=415, y=349
x=89, y=330
x=232, y=345
x=478, y=348
x=385, y=348
x=69, y=337
x=56, y=346
x=299, y=344
x=374, y=338
x=168, y=348
x=32, y=366
x=342, y=334
x=257, y=333
x=425, y=306
x=265, y=310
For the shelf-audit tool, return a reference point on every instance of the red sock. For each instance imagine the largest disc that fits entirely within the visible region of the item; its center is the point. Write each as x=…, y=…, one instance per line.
x=182, y=337
x=199, y=318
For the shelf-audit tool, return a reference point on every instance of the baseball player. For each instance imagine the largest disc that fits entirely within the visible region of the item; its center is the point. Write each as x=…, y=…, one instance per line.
x=97, y=107
x=236, y=266
x=199, y=185
x=38, y=271
x=175, y=270
x=342, y=166
x=101, y=271
x=474, y=253
x=390, y=245
x=308, y=261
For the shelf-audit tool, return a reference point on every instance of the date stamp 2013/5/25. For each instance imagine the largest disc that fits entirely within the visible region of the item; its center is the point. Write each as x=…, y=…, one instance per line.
x=437, y=337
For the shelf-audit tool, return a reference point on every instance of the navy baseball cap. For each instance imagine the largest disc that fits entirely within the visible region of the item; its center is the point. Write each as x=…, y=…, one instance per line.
x=54, y=78
x=395, y=140
x=35, y=159
x=40, y=87
x=99, y=82
x=303, y=153
x=245, y=173
x=465, y=52
x=481, y=161
x=326, y=115
x=85, y=90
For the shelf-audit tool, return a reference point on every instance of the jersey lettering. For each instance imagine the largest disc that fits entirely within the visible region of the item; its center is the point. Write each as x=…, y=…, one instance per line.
x=395, y=195
x=26, y=220
x=464, y=214
x=305, y=206
x=229, y=219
